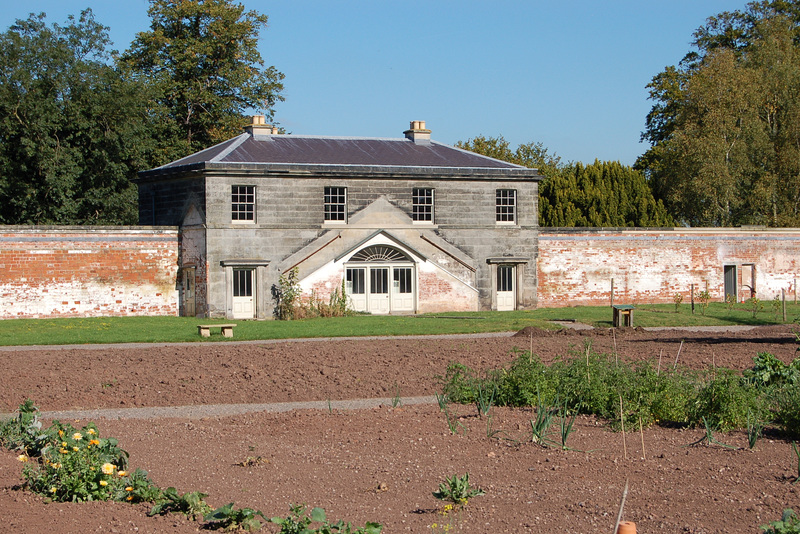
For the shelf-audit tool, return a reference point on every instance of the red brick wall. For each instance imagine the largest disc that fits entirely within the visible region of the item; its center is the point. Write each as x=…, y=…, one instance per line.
x=576, y=267
x=87, y=271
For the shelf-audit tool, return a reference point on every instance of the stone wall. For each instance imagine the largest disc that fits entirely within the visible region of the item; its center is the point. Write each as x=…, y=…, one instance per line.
x=87, y=271
x=577, y=266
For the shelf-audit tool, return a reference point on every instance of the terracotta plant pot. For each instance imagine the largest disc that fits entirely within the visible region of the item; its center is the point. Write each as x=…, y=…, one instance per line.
x=626, y=527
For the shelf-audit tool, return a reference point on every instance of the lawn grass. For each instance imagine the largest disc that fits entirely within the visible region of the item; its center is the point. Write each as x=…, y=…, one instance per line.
x=184, y=329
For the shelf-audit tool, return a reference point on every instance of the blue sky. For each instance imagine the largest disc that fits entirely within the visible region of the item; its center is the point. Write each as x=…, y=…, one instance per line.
x=569, y=74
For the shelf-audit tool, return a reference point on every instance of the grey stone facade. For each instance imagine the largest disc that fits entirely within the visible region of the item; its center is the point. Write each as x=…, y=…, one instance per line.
x=397, y=264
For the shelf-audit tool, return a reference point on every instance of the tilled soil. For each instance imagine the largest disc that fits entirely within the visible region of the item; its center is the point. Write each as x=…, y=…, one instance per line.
x=381, y=464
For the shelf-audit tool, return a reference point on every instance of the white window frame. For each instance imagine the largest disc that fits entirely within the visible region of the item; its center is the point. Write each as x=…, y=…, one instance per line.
x=423, y=212
x=240, y=202
x=328, y=213
x=506, y=206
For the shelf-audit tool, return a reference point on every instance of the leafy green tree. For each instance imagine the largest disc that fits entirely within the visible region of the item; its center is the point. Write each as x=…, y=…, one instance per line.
x=573, y=194
x=202, y=56
x=724, y=132
x=73, y=129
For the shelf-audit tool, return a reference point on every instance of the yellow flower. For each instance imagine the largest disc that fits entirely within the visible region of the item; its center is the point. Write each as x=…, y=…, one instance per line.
x=61, y=433
x=22, y=458
x=107, y=468
x=91, y=432
x=63, y=451
x=129, y=488
x=129, y=498
x=52, y=490
x=91, y=468
x=63, y=443
x=75, y=449
x=56, y=465
x=122, y=473
x=103, y=483
x=77, y=436
x=94, y=442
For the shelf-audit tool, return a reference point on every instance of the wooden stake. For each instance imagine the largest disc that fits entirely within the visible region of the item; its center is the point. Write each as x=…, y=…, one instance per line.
x=614, y=337
x=675, y=365
x=588, y=379
x=660, y=354
x=622, y=420
x=621, y=506
x=641, y=433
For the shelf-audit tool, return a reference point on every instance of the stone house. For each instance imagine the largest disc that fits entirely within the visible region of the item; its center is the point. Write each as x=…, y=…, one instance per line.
x=405, y=225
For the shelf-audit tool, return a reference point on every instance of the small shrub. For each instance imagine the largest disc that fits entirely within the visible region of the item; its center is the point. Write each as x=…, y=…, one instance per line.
x=789, y=524
x=677, y=299
x=704, y=297
x=755, y=305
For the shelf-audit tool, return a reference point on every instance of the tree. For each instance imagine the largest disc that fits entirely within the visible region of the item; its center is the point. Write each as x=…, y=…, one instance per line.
x=73, y=129
x=724, y=133
x=573, y=194
x=202, y=56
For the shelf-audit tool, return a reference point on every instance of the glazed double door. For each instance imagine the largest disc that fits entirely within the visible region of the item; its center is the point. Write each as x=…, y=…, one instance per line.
x=381, y=289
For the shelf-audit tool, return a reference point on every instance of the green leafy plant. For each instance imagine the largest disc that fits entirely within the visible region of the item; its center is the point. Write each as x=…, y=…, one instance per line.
x=708, y=438
x=788, y=524
x=229, y=518
x=286, y=294
x=299, y=522
x=565, y=423
x=541, y=425
x=484, y=394
x=24, y=432
x=457, y=490
x=755, y=428
x=191, y=504
x=396, y=401
x=796, y=451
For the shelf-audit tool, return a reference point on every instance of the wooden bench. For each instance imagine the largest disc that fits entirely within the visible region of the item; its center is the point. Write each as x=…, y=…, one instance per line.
x=205, y=329
x=623, y=314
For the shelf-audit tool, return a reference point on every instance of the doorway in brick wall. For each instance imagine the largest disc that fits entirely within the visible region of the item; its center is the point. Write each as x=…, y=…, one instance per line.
x=381, y=279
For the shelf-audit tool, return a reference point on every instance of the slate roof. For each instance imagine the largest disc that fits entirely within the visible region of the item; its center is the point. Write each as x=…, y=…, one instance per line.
x=341, y=153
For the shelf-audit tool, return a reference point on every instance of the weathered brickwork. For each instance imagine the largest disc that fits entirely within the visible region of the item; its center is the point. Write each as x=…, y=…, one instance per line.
x=87, y=271
x=576, y=267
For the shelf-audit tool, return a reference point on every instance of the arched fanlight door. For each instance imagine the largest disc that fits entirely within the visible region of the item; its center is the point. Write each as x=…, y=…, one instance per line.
x=381, y=279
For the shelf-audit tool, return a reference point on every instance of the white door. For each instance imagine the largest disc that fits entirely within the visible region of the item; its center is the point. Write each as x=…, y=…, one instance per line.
x=378, y=290
x=402, y=289
x=243, y=294
x=356, y=288
x=506, y=290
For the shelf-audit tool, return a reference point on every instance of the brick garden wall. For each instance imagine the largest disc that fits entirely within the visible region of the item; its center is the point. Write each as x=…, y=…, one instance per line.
x=576, y=266
x=87, y=271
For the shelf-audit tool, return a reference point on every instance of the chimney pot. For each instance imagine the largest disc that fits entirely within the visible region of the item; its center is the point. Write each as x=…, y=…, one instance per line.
x=418, y=133
x=258, y=126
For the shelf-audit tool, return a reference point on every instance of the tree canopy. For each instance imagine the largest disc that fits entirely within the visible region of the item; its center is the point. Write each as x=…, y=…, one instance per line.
x=202, y=57
x=573, y=194
x=725, y=126
x=78, y=121
x=73, y=129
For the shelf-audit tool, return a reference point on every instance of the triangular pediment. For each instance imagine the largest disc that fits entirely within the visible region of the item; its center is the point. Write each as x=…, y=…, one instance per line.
x=381, y=214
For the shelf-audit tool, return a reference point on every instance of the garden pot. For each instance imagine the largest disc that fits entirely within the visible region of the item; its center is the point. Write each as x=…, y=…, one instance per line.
x=626, y=527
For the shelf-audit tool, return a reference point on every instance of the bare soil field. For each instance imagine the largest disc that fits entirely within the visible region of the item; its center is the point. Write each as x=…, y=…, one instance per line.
x=382, y=463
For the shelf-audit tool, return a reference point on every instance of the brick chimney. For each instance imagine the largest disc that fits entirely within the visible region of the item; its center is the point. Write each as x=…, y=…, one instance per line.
x=418, y=133
x=259, y=126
